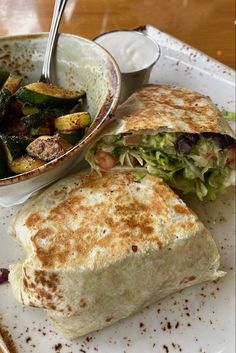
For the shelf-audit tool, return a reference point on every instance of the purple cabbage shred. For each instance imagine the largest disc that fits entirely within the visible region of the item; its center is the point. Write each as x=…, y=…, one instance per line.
x=222, y=141
x=185, y=142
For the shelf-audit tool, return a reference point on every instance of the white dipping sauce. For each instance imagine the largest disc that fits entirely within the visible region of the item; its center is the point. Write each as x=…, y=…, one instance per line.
x=133, y=51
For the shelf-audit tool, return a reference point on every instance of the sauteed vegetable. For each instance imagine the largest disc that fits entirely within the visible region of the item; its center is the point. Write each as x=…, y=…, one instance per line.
x=38, y=123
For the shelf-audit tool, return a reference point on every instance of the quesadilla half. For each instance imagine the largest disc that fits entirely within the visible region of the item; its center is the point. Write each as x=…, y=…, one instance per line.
x=174, y=133
x=101, y=247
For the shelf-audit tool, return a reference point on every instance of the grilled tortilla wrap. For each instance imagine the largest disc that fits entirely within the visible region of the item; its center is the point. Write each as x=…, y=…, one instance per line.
x=171, y=132
x=101, y=247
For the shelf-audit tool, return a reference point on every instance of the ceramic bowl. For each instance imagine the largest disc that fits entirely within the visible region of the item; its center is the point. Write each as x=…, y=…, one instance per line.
x=77, y=61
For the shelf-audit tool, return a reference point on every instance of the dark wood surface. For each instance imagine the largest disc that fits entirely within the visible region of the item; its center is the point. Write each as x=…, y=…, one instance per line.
x=206, y=25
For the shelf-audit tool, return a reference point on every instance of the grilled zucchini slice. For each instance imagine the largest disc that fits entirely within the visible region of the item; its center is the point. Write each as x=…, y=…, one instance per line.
x=14, y=146
x=4, y=74
x=72, y=122
x=25, y=164
x=48, y=148
x=29, y=109
x=42, y=117
x=9, y=87
x=3, y=163
x=12, y=83
x=72, y=137
x=41, y=93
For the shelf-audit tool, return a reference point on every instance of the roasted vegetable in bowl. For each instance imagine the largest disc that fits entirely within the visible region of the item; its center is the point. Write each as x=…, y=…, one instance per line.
x=38, y=123
x=9, y=87
x=45, y=94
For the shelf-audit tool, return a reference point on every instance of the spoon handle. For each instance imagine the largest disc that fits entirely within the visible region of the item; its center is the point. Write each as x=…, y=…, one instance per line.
x=56, y=18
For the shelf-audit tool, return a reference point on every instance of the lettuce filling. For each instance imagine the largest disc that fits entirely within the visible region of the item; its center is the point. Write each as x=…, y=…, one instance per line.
x=189, y=162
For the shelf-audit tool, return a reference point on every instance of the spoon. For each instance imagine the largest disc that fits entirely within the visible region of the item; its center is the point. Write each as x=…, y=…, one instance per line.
x=53, y=33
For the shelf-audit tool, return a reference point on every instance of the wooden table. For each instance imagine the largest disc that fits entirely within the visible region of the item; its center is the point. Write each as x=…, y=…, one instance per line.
x=206, y=25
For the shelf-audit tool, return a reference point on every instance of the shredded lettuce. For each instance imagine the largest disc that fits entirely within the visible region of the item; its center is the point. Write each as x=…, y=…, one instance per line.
x=204, y=170
x=139, y=174
x=229, y=115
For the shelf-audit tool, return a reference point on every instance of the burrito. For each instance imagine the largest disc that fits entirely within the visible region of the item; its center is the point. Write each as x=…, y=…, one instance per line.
x=174, y=133
x=101, y=247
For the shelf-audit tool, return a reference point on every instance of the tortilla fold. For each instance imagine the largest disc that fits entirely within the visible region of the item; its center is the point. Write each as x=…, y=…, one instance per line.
x=100, y=248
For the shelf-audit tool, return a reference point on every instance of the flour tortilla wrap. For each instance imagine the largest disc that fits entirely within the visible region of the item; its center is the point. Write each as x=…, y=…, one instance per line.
x=101, y=247
x=186, y=142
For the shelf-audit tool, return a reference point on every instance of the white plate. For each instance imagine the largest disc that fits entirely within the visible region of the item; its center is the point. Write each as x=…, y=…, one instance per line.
x=198, y=319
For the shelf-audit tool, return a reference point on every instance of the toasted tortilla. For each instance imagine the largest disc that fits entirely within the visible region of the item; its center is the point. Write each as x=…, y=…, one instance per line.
x=165, y=108
x=158, y=109
x=100, y=248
